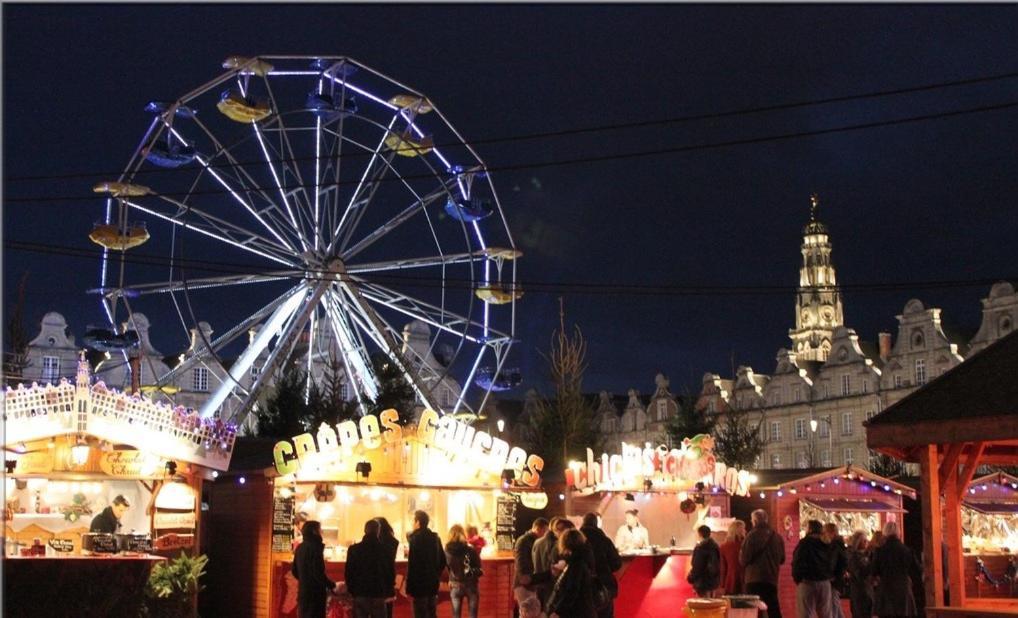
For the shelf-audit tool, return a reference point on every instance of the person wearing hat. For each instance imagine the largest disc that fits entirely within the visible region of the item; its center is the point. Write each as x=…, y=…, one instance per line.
x=632, y=535
x=108, y=521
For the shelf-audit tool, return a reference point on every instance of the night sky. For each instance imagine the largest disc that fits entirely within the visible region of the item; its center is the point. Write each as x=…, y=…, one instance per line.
x=927, y=201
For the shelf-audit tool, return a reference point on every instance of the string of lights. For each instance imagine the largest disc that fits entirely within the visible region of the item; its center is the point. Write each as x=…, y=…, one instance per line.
x=637, y=124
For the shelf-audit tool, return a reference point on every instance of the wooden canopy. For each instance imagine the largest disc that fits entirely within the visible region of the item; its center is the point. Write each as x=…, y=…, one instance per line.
x=963, y=419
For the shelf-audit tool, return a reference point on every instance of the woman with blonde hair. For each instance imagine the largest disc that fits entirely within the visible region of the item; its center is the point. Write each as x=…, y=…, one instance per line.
x=731, y=570
x=464, y=570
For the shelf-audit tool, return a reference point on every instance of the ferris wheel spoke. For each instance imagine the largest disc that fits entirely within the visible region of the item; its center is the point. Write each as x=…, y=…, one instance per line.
x=245, y=235
x=402, y=217
x=219, y=235
x=205, y=162
x=356, y=360
x=279, y=185
x=391, y=347
x=355, y=197
x=227, y=338
x=199, y=283
x=437, y=317
x=419, y=262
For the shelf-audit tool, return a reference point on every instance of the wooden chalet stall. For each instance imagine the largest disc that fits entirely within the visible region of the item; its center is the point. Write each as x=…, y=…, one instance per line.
x=851, y=497
x=346, y=474
x=71, y=449
x=989, y=524
x=675, y=491
x=964, y=419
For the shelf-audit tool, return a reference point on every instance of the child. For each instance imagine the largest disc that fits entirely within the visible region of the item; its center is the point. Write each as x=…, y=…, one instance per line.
x=531, y=608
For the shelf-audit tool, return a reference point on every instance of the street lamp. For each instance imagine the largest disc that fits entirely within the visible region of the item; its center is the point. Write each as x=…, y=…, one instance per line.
x=815, y=422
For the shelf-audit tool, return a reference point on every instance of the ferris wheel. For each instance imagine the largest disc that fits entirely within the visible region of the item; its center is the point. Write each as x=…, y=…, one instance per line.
x=312, y=206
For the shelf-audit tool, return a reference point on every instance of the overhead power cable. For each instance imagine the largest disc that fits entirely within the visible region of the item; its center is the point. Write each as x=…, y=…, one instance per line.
x=527, y=286
x=589, y=159
x=637, y=124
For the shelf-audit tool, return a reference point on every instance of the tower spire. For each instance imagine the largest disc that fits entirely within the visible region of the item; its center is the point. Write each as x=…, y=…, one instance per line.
x=814, y=204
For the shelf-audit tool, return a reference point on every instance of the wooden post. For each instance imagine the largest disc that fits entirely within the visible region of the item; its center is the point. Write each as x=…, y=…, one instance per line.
x=952, y=536
x=929, y=495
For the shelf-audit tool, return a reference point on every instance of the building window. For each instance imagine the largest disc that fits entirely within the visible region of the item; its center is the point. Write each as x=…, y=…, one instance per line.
x=920, y=371
x=917, y=340
x=865, y=386
x=200, y=381
x=801, y=461
x=662, y=409
x=897, y=381
x=795, y=394
x=775, y=460
x=880, y=406
x=777, y=396
x=825, y=458
x=755, y=427
x=800, y=429
x=711, y=407
x=827, y=389
x=824, y=429
x=848, y=454
x=846, y=423
x=50, y=368
x=255, y=371
x=870, y=414
x=775, y=431
x=846, y=385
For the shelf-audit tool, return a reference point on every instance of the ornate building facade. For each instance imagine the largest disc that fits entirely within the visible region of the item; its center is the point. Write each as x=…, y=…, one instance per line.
x=811, y=409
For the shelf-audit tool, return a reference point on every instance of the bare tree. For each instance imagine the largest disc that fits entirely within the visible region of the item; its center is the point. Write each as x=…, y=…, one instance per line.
x=562, y=426
x=16, y=359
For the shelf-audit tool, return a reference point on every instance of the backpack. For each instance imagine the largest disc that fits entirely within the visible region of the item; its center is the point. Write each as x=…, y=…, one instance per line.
x=462, y=567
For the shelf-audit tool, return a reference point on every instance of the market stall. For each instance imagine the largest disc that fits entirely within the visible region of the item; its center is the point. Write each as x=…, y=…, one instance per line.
x=100, y=485
x=851, y=497
x=651, y=501
x=964, y=419
x=376, y=466
x=989, y=523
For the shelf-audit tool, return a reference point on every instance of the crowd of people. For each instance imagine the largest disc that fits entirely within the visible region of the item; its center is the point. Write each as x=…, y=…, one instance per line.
x=875, y=574
x=566, y=572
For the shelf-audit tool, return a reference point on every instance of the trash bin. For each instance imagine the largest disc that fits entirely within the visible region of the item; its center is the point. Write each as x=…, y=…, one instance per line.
x=706, y=608
x=744, y=605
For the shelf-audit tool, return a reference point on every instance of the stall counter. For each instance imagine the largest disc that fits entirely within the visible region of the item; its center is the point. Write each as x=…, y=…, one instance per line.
x=111, y=585
x=495, y=588
x=653, y=584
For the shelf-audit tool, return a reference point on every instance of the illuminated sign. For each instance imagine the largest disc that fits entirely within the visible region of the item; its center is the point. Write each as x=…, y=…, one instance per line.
x=642, y=468
x=337, y=447
x=130, y=463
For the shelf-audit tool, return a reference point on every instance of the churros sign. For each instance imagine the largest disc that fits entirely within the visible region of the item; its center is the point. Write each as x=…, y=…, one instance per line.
x=659, y=468
x=341, y=444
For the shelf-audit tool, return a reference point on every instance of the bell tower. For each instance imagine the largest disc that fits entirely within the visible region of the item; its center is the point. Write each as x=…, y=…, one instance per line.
x=818, y=309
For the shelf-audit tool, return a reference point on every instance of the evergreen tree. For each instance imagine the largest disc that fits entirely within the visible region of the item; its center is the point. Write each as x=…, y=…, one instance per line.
x=283, y=412
x=736, y=442
x=689, y=422
x=326, y=402
x=394, y=391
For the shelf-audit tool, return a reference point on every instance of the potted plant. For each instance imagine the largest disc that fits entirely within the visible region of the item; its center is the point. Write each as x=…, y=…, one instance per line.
x=173, y=586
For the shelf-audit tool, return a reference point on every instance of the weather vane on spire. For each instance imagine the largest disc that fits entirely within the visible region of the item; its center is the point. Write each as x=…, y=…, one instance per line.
x=814, y=203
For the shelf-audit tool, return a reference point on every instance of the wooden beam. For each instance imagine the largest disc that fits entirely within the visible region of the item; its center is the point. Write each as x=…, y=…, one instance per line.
x=929, y=497
x=950, y=463
x=997, y=429
x=965, y=477
x=952, y=536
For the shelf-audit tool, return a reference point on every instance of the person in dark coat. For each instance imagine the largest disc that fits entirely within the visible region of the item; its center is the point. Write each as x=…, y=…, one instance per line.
x=860, y=589
x=762, y=555
x=606, y=560
x=424, y=567
x=894, y=566
x=464, y=563
x=544, y=554
x=108, y=521
x=839, y=565
x=812, y=571
x=524, y=585
x=313, y=587
x=573, y=593
x=370, y=572
x=388, y=538
x=705, y=565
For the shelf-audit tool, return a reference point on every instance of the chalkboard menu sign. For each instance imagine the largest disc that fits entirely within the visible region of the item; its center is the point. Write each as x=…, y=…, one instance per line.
x=282, y=523
x=505, y=522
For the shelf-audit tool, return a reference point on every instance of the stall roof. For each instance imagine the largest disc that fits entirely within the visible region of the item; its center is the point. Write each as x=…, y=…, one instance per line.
x=788, y=479
x=997, y=477
x=854, y=505
x=976, y=401
x=993, y=508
